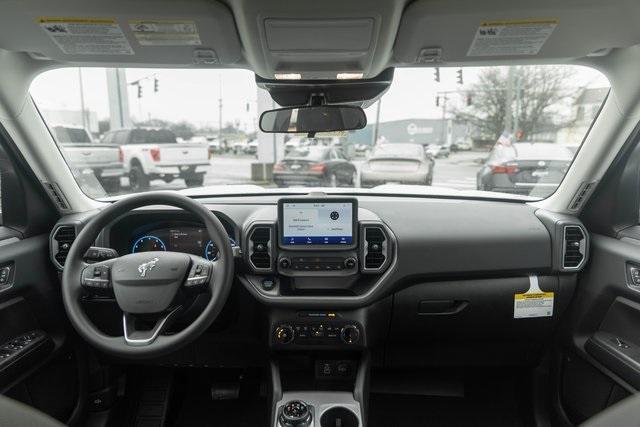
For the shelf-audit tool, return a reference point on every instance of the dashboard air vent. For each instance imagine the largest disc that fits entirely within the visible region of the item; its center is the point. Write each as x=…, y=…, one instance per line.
x=63, y=238
x=260, y=248
x=375, y=251
x=574, y=247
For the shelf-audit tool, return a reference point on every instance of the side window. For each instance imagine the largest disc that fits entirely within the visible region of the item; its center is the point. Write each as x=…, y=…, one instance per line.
x=333, y=155
x=120, y=137
x=108, y=138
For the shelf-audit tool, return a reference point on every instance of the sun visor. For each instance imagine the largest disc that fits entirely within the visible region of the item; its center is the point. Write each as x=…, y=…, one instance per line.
x=494, y=30
x=127, y=33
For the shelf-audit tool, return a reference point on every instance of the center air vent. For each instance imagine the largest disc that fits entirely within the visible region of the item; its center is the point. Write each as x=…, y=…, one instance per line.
x=61, y=244
x=574, y=247
x=375, y=248
x=260, y=254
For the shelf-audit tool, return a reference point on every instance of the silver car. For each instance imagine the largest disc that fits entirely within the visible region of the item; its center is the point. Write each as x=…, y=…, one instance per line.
x=397, y=163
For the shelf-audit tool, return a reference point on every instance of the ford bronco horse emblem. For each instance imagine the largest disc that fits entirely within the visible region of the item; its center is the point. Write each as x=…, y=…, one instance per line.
x=147, y=266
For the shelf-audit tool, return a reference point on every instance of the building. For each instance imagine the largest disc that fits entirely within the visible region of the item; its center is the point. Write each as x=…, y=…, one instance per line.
x=585, y=109
x=420, y=131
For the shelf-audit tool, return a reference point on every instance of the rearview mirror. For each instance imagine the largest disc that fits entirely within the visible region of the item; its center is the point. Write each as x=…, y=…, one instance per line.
x=325, y=118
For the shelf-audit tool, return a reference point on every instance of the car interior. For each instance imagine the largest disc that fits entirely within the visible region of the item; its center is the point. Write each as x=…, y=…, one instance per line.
x=302, y=298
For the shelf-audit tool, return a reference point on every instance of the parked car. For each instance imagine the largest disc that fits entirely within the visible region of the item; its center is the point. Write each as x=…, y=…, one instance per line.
x=293, y=144
x=519, y=167
x=461, y=145
x=214, y=145
x=83, y=154
x=438, y=151
x=362, y=150
x=251, y=148
x=315, y=165
x=154, y=154
x=397, y=163
x=238, y=147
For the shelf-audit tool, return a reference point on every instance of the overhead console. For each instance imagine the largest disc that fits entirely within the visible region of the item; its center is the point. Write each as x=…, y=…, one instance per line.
x=316, y=246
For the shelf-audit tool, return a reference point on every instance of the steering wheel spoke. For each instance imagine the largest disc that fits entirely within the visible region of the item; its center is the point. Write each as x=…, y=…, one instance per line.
x=96, y=277
x=140, y=337
x=201, y=274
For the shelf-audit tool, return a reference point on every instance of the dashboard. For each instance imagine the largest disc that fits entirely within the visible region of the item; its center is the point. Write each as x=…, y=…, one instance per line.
x=342, y=272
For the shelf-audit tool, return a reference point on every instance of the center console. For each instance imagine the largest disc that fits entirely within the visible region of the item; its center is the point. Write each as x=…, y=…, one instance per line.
x=313, y=260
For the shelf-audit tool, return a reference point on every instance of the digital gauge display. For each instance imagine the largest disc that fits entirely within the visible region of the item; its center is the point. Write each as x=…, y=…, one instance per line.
x=148, y=244
x=191, y=240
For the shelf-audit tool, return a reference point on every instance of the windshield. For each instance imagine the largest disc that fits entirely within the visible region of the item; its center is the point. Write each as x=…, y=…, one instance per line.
x=398, y=150
x=65, y=135
x=308, y=153
x=489, y=131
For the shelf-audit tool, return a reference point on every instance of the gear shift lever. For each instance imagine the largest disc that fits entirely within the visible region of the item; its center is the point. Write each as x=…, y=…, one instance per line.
x=295, y=413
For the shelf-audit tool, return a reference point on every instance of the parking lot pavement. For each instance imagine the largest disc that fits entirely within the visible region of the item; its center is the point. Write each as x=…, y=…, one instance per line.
x=457, y=171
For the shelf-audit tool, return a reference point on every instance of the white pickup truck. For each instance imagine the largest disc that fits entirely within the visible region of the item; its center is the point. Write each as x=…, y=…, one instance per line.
x=85, y=156
x=155, y=154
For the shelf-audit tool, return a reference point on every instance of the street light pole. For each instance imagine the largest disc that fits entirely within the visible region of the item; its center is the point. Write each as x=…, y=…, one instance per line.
x=82, y=111
x=375, y=126
x=220, y=109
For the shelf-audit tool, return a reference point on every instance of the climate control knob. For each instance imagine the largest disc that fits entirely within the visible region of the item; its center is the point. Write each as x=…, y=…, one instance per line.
x=285, y=263
x=350, y=334
x=284, y=334
x=350, y=262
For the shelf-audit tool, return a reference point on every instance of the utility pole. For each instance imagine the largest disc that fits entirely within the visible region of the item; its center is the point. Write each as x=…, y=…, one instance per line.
x=508, y=111
x=443, y=136
x=82, y=110
x=220, y=109
x=375, y=127
x=516, y=115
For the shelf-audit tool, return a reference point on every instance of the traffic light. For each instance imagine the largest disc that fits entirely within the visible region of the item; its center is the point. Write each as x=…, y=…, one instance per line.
x=436, y=74
x=155, y=85
x=437, y=101
x=459, y=76
x=139, y=91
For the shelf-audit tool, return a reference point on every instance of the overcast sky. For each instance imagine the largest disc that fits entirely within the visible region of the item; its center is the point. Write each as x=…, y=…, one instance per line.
x=192, y=95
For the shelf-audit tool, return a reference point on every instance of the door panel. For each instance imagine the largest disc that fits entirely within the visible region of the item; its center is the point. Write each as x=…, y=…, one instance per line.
x=601, y=334
x=35, y=364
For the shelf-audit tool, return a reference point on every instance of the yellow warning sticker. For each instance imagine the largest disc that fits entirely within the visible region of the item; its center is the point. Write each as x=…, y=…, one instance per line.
x=539, y=304
x=165, y=32
x=86, y=36
x=511, y=37
x=533, y=303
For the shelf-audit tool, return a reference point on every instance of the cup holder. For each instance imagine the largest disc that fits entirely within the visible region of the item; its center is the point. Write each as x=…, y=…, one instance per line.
x=339, y=416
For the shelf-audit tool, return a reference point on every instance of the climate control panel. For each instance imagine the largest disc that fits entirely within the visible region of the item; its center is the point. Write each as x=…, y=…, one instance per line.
x=318, y=264
x=327, y=333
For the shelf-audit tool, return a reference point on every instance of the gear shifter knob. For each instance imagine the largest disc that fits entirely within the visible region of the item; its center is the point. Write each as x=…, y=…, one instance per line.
x=295, y=413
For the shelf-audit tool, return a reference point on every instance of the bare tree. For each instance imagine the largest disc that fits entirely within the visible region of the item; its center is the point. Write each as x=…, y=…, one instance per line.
x=537, y=92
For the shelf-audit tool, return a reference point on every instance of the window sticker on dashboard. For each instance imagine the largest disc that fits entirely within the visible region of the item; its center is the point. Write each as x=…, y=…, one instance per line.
x=533, y=303
x=507, y=38
x=86, y=36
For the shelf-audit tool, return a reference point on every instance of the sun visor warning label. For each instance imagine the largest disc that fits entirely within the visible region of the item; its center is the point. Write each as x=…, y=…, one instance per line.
x=165, y=32
x=86, y=36
x=533, y=303
x=507, y=38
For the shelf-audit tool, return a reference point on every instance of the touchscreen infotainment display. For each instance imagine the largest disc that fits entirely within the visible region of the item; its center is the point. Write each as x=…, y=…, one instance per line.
x=318, y=223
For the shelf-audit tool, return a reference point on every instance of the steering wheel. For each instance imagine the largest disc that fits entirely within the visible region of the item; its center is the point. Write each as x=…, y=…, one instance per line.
x=149, y=286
